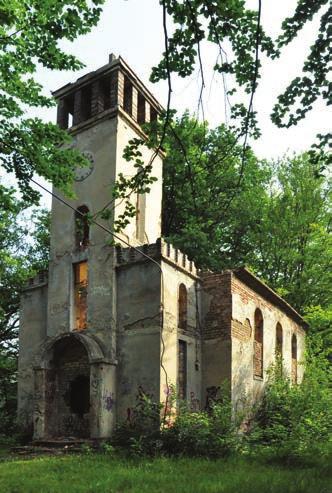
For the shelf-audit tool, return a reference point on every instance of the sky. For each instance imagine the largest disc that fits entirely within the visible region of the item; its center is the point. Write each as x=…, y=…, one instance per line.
x=133, y=29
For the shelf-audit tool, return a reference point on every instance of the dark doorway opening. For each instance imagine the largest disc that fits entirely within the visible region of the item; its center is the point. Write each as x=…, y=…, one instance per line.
x=79, y=397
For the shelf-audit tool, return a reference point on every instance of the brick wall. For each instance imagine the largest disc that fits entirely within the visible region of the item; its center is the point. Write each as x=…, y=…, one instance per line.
x=217, y=321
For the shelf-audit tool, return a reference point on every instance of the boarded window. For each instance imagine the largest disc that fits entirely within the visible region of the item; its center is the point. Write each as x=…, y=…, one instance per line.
x=80, y=294
x=294, y=359
x=182, y=372
x=279, y=340
x=140, y=217
x=258, y=344
x=182, y=307
x=82, y=227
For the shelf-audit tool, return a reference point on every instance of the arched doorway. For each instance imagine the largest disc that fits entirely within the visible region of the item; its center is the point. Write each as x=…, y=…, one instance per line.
x=74, y=388
x=68, y=395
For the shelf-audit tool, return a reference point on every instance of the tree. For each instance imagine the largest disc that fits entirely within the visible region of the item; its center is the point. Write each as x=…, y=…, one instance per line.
x=292, y=242
x=230, y=24
x=30, y=33
x=206, y=211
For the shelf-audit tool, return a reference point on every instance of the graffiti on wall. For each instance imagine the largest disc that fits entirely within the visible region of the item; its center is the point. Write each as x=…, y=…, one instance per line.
x=108, y=400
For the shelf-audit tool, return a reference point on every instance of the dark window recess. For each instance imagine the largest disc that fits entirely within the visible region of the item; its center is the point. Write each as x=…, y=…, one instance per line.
x=66, y=112
x=82, y=229
x=105, y=88
x=182, y=375
x=128, y=96
x=153, y=114
x=294, y=359
x=258, y=344
x=279, y=340
x=79, y=397
x=182, y=307
x=86, y=103
x=141, y=109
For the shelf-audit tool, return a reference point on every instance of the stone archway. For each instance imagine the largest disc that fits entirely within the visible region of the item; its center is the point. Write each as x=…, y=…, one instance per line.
x=74, y=384
x=67, y=403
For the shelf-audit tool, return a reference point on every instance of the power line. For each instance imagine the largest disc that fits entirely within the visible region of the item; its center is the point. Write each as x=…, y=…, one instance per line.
x=107, y=230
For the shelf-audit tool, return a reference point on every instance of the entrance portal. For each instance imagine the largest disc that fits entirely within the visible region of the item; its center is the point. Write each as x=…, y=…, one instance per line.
x=68, y=399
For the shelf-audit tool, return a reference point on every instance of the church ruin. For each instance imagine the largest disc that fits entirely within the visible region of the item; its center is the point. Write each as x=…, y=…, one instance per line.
x=105, y=322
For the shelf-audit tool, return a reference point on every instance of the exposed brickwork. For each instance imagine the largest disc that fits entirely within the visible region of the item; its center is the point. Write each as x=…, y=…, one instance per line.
x=116, y=89
x=258, y=359
x=241, y=331
x=134, y=104
x=62, y=114
x=217, y=322
x=97, y=99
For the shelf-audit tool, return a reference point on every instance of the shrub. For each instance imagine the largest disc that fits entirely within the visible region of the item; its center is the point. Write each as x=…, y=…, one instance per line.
x=208, y=434
x=293, y=423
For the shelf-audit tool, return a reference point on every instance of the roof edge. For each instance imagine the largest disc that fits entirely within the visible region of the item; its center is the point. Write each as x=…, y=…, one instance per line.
x=246, y=276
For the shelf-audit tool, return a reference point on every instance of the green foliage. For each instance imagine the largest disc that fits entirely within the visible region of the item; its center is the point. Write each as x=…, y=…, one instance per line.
x=303, y=91
x=30, y=33
x=320, y=324
x=293, y=423
x=203, y=434
x=186, y=433
x=240, y=39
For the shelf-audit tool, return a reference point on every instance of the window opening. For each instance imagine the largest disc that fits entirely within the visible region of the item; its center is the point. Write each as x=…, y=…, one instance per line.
x=80, y=294
x=294, y=359
x=279, y=340
x=182, y=307
x=127, y=96
x=82, y=228
x=258, y=344
x=141, y=108
x=86, y=103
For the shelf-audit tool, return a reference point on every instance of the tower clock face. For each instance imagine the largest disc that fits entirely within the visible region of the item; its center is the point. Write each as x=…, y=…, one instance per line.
x=82, y=173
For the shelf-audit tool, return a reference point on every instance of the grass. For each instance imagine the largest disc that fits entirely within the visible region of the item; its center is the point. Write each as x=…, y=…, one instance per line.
x=104, y=474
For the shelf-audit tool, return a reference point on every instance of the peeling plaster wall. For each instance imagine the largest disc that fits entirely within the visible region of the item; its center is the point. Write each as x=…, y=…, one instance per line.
x=138, y=333
x=173, y=277
x=94, y=192
x=244, y=303
x=153, y=198
x=31, y=335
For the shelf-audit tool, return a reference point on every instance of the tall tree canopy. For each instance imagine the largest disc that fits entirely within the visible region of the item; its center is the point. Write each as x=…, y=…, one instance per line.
x=30, y=33
x=277, y=220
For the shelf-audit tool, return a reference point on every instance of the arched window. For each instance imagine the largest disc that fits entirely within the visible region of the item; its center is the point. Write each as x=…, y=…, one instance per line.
x=279, y=340
x=258, y=344
x=294, y=359
x=182, y=307
x=82, y=227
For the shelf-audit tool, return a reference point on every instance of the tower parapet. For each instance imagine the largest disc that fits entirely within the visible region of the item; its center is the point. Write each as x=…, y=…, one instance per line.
x=101, y=94
x=158, y=250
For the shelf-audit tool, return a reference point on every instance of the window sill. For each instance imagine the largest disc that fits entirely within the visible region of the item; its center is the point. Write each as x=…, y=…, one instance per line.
x=259, y=379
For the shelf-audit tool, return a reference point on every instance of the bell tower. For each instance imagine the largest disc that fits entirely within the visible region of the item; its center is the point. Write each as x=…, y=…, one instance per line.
x=68, y=324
